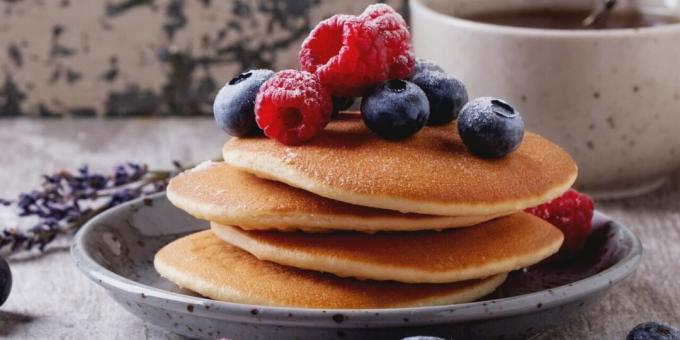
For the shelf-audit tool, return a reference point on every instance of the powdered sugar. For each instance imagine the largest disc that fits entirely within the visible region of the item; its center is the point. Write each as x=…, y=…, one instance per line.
x=290, y=156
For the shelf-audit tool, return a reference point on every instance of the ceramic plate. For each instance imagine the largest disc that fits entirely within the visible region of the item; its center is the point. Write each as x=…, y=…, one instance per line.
x=116, y=251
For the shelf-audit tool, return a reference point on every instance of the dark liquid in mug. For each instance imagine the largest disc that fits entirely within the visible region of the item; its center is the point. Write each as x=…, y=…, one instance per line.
x=555, y=18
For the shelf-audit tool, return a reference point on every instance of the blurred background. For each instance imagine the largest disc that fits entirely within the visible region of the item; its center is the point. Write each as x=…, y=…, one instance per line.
x=85, y=61
x=150, y=58
x=144, y=57
x=585, y=90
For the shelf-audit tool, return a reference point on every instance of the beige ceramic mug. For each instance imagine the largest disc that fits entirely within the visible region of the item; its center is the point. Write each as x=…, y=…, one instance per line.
x=611, y=98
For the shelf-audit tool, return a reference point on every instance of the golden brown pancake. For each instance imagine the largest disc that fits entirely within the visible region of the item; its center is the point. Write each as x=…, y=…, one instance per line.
x=220, y=193
x=211, y=267
x=431, y=172
x=453, y=255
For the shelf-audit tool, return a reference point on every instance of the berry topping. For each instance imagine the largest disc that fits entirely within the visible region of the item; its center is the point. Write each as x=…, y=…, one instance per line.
x=343, y=54
x=395, y=110
x=341, y=104
x=292, y=107
x=654, y=331
x=425, y=65
x=572, y=213
x=234, y=105
x=5, y=281
x=351, y=54
x=446, y=95
x=490, y=127
x=394, y=31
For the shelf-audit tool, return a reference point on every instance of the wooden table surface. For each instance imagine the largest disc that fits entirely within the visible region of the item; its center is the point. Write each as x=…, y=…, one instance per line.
x=50, y=299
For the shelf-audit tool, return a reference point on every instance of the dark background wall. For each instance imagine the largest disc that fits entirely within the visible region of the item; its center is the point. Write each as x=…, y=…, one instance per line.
x=144, y=57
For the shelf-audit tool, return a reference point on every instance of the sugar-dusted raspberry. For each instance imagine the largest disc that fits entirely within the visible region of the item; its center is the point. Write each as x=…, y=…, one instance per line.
x=351, y=54
x=292, y=107
x=346, y=55
x=572, y=213
x=394, y=31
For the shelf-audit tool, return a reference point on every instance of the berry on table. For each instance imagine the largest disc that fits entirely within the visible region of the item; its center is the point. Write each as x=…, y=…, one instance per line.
x=654, y=331
x=446, y=95
x=292, y=107
x=395, y=110
x=353, y=54
x=572, y=213
x=490, y=127
x=233, y=107
x=5, y=281
x=423, y=65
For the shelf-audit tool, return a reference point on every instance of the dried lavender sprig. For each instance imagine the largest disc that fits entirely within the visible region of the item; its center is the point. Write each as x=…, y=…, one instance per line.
x=66, y=200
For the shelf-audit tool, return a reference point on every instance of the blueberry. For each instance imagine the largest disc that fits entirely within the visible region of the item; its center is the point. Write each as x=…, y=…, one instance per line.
x=5, y=280
x=653, y=331
x=446, y=95
x=490, y=127
x=423, y=65
x=341, y=104
x=396, y=109
x=234, y=105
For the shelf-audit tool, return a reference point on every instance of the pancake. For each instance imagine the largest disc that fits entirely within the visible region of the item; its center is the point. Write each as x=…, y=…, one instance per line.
x=431, y=172
x=211, y=267
x=220, y=193
x=498, y=246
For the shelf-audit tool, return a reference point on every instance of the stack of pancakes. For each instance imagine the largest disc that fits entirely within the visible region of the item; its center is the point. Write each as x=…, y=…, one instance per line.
x=349, y=220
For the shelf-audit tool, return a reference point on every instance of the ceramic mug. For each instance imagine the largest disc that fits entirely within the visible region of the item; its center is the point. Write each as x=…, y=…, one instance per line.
x=611, y=98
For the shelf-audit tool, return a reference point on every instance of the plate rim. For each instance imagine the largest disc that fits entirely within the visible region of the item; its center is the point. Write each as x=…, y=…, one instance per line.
x=367, y=318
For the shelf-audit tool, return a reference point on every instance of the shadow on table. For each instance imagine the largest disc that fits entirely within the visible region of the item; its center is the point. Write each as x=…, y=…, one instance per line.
x=10, y=322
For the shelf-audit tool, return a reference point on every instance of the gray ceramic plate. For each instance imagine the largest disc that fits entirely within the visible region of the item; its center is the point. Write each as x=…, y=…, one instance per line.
x=116, y=251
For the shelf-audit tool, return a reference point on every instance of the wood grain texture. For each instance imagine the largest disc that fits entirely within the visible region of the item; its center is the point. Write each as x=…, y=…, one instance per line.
x=52, y=300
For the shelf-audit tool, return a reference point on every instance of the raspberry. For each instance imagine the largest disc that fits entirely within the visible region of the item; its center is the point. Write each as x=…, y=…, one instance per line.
x=292, y=107
x=346, y=56
x=351, y=54
x=394, y=32
x=572, y=213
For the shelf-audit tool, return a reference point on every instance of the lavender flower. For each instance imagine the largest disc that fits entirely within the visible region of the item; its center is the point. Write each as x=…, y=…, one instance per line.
x=65, y=201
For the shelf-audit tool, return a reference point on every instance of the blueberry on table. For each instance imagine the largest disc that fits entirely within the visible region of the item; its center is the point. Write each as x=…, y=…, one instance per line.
x=396, y=109
x=234, y=104
x=5, y=280
x=446, y=95
x=653, y=331
x=490, y=127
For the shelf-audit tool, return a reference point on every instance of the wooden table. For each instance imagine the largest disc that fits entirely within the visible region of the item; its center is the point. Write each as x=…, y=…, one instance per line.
x=52, y=300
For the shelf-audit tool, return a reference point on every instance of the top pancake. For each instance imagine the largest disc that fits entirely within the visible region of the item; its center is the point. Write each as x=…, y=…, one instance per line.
x=431, y=172
x=220, y=193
